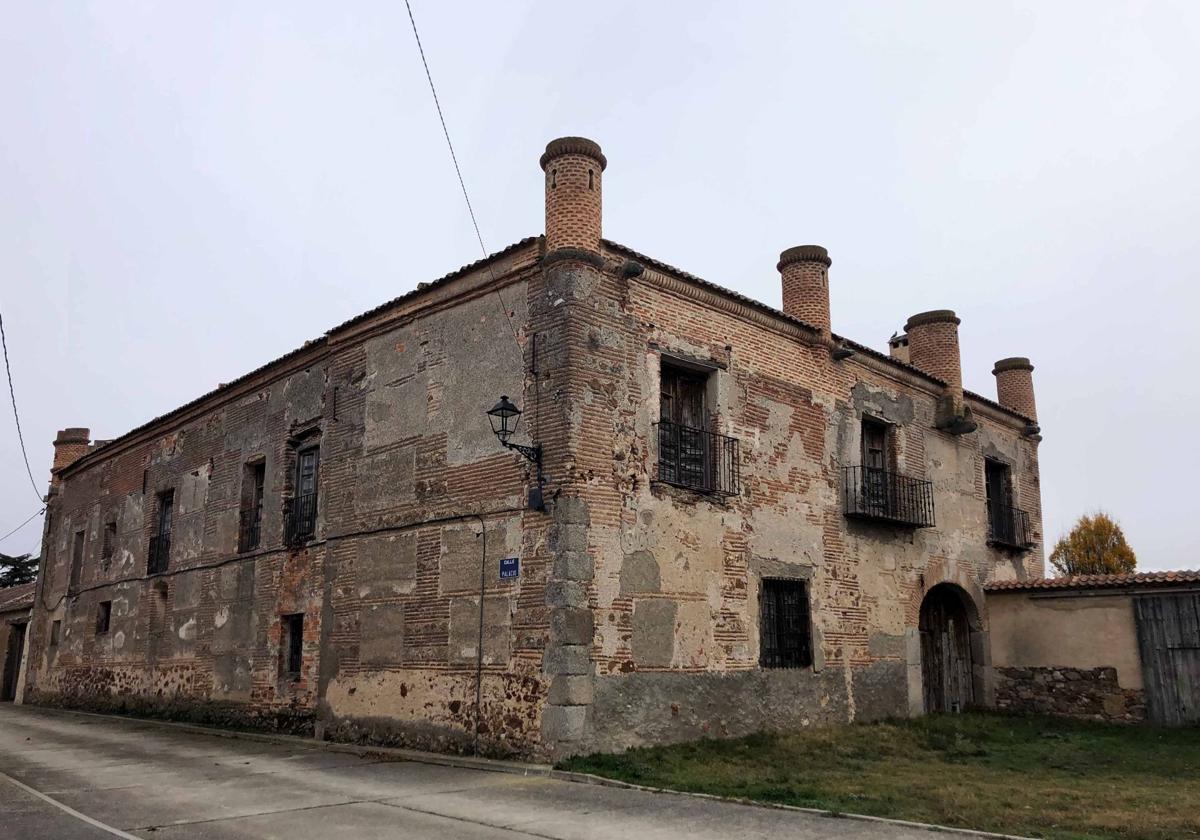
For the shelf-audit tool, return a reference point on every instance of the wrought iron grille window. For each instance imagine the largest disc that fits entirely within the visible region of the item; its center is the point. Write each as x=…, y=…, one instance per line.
x=160, y=543
x=299, y=518
x=250, y=527
x=872, y=493
x=300, y=513
x=785, y=632
x=1008, y=526
x=698, y=459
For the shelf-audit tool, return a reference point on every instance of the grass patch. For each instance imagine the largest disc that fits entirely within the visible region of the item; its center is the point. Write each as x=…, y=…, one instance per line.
x=1041, y=777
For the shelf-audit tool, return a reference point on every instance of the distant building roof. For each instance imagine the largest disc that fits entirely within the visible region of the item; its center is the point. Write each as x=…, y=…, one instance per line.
x=17, y=597
x=1097, y=581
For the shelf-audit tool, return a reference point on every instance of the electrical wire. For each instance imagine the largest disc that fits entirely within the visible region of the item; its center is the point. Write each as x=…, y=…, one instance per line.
x=22, y=525
x=457, y=169
x=13, y=395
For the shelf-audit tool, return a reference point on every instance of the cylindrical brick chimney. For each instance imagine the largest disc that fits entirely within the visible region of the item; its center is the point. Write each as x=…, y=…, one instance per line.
x=1014, y=386
x=804, y=271
x=69, y=446
x=573, y=166
x=933, y=346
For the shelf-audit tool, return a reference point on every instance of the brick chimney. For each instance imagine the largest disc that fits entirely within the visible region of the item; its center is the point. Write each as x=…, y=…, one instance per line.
x=573, y=167
x=804, y=271
x=69, y=446
x=1014, y=386
x=933, y=347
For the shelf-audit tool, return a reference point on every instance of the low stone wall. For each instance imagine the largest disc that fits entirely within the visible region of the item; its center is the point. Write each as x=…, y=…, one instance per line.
x=1091, y=693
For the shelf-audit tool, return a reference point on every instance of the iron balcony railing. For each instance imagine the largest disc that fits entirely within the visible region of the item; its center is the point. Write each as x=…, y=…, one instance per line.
x=1008, y=527
x=160, y=553
x=872, y=493
x=250, y=530
x=698, y=459
x=299, y=519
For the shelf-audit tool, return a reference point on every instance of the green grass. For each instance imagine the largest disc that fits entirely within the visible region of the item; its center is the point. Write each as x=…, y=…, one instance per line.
x=1041, y=777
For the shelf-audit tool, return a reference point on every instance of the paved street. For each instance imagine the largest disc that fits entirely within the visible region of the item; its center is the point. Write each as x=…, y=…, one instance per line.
x=141, y=779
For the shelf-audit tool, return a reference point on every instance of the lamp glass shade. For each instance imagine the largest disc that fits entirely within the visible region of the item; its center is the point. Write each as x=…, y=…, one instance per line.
x=504, y=417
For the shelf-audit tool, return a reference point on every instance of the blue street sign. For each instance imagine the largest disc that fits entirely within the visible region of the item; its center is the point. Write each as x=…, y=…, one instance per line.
x=510, y=567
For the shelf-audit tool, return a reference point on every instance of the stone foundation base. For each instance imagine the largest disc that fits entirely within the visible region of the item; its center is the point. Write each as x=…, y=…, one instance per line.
x=1091, y=693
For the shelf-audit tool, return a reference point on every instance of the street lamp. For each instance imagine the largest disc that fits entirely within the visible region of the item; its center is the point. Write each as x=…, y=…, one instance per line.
x=505, y=417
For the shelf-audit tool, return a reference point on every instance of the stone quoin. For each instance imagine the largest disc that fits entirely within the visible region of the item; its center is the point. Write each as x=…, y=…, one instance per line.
x=751, y=521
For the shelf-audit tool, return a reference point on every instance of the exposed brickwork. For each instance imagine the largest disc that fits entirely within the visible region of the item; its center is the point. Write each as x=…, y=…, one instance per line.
x=1090, y=693
x=1014, y=386
x=805, y=275
x=573, y=168
x=933, y=345
x=636, y=614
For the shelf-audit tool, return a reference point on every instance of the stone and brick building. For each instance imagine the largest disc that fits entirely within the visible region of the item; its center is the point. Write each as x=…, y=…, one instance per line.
x=745, y=520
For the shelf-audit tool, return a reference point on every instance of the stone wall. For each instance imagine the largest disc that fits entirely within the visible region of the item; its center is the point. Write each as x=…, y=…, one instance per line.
x=1091, y=693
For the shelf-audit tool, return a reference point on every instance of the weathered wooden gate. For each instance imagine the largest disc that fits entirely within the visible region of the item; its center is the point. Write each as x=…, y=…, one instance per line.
x=945, y=651
x=1168, y=628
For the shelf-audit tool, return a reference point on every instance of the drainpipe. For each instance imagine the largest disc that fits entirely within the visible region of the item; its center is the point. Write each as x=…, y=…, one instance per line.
x=479, y=640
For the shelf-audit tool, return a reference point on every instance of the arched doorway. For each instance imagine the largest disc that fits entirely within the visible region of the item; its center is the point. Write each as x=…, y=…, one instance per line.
x=946, y=664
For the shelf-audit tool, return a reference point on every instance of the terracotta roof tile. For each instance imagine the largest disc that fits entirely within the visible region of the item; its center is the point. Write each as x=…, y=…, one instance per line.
x=1097, y=581
x=17, y=597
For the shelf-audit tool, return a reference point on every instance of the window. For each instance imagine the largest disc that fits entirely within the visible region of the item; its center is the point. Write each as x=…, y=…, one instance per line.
x=874, y=489
x=160, y=543
x=875, y=463
x=997, y=481
x=1007, y=526
x=785, y=636
x=689, y=455
x=250, y=531
x=293, y=644
x=301, y=520
x=55, y=632
x=103, y=615
x=77, y=560
x=109, y=543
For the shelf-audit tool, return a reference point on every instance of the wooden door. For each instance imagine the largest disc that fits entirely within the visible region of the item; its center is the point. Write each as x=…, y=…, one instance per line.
x=1168, y=628
x=12, y=661
x=945, y=652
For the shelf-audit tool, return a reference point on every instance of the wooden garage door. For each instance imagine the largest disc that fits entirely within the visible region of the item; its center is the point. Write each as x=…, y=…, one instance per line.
x=1168, y=629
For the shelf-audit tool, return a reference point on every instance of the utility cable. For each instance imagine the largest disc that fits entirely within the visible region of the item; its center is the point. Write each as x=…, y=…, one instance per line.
x=22, y=525
x=13, y=395
x=457, y=169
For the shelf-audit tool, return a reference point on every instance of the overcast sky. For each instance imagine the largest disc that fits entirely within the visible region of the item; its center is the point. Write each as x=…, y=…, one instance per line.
x=190, y=190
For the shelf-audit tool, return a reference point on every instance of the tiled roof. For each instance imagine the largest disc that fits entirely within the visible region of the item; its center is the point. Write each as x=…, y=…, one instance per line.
x=1097, y=581
x=17, y=597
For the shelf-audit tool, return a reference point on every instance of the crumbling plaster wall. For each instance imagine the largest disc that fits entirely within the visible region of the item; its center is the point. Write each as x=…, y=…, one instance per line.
x=676, y=579
x=389, y=587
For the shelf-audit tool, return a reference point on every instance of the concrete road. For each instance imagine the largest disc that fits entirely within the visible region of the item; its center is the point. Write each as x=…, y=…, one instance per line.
x=77, y=777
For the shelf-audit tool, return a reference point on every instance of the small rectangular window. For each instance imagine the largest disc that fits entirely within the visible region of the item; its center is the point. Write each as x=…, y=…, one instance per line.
x=109, y=543
x=77, y=559
x=103, y=616
x=55, y=632
x=784, y=629
x=293, y=644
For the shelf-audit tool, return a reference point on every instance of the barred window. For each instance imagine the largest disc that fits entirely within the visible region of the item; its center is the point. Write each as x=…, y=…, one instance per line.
x=785, y=635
